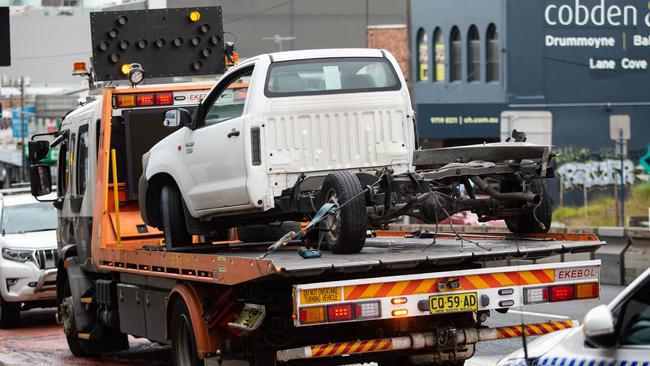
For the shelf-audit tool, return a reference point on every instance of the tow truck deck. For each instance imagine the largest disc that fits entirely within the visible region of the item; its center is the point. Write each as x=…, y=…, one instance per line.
x=222, y=263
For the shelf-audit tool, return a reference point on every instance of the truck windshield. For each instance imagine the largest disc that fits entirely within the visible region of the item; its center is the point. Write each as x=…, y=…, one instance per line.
x=330, y=76
x=18, y=219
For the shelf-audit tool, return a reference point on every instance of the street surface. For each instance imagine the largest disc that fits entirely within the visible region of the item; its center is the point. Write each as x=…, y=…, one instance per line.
x=40, y=341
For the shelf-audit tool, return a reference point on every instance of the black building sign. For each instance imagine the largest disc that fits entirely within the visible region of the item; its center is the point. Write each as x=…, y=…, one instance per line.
x=5, y=47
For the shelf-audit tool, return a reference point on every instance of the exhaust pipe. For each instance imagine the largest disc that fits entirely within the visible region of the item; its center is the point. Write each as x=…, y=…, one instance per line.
x=509, y=196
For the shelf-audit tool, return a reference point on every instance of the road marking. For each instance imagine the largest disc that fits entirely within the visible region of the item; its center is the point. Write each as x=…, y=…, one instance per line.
x=543, y=315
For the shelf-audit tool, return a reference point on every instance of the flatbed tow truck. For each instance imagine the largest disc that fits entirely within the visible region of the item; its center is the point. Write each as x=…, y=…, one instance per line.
x=401, y=300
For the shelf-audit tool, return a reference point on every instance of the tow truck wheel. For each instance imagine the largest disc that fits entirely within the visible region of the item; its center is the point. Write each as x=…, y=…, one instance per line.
x=529, y=222
x=346, y=229
x=173, y=218
x=66, y=318
x=9, y=314
x=182, y=333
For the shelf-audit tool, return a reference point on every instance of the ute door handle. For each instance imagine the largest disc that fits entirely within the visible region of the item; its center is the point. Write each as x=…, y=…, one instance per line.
x=233, y=133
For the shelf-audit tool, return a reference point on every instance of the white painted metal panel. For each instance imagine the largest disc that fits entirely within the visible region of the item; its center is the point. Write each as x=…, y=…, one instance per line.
x=344, y=131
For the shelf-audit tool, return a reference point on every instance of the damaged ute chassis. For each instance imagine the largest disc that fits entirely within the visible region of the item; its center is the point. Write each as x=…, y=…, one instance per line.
x=282, y=134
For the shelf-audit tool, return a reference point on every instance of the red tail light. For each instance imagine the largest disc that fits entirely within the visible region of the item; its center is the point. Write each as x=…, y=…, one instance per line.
x=562, y=293
x=340, y=312
x=164, y=98
x=143, y=100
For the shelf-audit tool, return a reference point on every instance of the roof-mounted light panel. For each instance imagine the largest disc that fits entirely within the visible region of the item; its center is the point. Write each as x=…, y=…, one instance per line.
x=165, y=42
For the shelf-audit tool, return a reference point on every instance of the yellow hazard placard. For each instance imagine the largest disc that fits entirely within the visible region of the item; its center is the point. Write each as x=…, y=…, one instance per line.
x=319, y=295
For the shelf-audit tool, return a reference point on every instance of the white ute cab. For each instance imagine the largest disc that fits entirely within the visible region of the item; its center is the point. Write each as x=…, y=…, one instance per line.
x=29, y=256
x=283, y=134
x=301, y=114
x=617, y=334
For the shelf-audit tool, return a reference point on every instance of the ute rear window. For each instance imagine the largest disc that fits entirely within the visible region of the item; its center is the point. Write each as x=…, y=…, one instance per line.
x=330, y=76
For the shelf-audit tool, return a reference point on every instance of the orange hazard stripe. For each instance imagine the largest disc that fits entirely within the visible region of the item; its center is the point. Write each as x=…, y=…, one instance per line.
x=532, y=329
x=346, y=348
x=469, y=282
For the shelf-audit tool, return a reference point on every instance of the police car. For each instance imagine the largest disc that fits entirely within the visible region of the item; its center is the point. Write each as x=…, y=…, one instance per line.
x=617, y=334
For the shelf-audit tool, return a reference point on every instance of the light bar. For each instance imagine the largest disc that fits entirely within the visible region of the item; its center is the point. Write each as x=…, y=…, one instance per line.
x=143, y=99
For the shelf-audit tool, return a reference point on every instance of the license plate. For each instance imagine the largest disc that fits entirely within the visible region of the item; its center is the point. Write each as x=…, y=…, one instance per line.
x=318, y=295
x=453, y=303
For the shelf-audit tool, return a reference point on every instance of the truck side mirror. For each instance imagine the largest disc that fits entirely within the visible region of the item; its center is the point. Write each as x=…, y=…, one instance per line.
x=177, y=117
x=38, y=150
x=40, y=179
x=598, y=327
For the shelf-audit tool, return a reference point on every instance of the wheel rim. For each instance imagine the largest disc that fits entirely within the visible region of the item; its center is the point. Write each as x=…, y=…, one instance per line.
x=333, y=220
x=183, y=341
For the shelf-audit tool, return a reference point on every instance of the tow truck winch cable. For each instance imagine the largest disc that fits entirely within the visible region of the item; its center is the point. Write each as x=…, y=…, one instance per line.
x=325, y=210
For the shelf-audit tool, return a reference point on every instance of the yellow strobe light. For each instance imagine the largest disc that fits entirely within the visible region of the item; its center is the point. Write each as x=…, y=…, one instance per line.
x=125, y=69
x=194, y=16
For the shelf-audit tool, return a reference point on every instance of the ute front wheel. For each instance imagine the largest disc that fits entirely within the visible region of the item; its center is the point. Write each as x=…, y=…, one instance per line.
x=173, y=218
x=346, y=228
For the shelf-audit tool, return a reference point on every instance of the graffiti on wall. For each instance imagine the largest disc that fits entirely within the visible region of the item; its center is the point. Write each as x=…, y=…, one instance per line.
x=578, y=168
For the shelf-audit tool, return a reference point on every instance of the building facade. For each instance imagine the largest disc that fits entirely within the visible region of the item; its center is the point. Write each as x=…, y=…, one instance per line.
x=557, y=69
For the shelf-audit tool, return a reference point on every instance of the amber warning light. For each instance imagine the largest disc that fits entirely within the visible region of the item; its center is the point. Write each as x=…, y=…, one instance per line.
x=79, y=68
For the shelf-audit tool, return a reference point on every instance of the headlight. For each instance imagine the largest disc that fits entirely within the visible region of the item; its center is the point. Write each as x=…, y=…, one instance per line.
x=17, y=255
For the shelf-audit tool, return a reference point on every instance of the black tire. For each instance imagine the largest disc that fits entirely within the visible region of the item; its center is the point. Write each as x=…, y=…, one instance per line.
x=9, y=314
x=347, y=228
x=526, y=223
x=183, y=343
x=172, y=218
x=108, y=340
x=74, y=343
x=270, y=232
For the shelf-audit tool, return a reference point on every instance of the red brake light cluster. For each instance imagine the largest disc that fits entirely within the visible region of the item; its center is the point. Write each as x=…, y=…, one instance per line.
x=143, y=99
x=339, y=312
x=565, y=292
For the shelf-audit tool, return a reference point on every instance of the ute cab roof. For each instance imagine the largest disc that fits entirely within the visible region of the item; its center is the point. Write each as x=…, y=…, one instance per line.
x=325, y=53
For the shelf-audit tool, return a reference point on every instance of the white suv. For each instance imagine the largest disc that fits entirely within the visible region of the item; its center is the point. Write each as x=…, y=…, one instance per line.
x=29, y=255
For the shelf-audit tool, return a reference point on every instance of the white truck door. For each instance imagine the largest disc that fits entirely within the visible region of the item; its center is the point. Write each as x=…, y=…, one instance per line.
x=214, y=156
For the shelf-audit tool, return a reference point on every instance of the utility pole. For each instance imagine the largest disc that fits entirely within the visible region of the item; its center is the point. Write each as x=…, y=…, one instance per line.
x=620, y=132
x=365, y=31
x=22, y=128
x=622, y=153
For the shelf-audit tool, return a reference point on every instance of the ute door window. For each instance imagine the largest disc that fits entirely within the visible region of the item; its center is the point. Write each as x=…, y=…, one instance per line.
x=230, y=103
x=63, y=169
x=82, y=160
